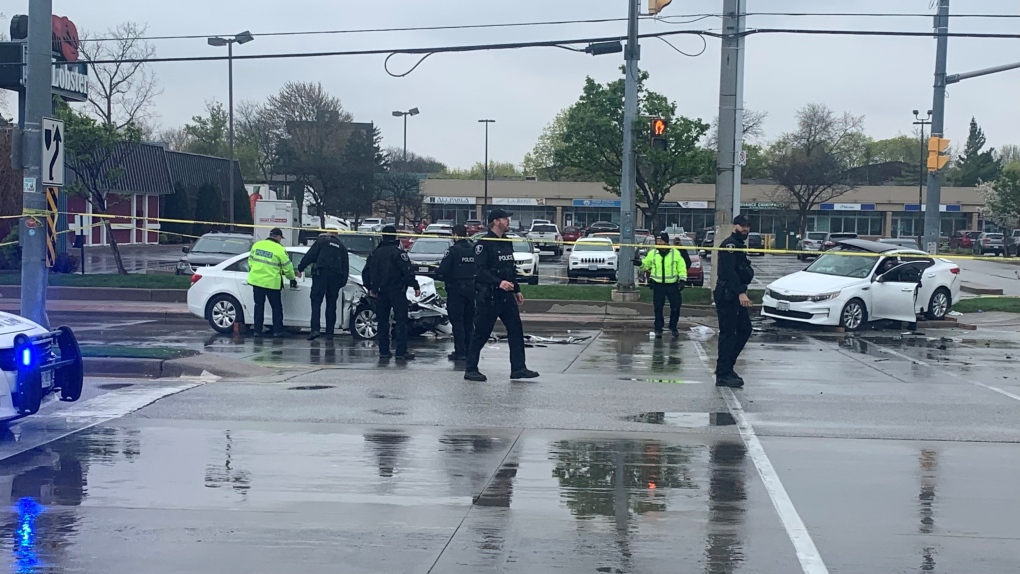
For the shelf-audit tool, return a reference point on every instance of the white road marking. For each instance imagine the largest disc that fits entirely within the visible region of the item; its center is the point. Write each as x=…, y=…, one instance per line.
x=950, y=373
x=810, y=560
x=807, y=554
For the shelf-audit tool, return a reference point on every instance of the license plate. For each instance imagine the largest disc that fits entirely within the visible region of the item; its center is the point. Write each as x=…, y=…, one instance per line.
x=423, y=270
x=782, y=305
x=47, y=379
x=593, y=268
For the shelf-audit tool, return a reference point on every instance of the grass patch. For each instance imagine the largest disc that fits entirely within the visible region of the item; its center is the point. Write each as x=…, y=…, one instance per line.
x=988, y=304
x=134, y=281
x=126, y=352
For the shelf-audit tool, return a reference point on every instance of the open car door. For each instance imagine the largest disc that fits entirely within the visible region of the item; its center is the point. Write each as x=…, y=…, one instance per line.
x=894, y=293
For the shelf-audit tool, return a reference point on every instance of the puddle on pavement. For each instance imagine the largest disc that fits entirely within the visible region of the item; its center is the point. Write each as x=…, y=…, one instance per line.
x=684, y=420
x=311, y=388
x=114, y=386
x=661, y=381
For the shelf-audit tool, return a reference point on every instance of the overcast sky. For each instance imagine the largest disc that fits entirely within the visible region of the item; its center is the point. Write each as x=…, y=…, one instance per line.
x=880, y=78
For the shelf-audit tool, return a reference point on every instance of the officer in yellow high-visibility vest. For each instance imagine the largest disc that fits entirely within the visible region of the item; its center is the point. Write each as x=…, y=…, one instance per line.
x=667, y=272
x=268, y=264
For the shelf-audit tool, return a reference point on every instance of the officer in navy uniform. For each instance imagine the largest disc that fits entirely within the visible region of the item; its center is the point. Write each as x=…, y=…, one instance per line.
x=732, y=302
x=387, y=276
x=497, y=297
x=457, y=271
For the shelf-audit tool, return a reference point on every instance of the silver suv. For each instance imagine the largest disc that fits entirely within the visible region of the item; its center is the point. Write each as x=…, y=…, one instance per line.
x=990, y=243
x=1013, y=244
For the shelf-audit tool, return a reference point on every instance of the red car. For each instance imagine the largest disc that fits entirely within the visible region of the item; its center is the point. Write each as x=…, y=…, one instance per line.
x=695, y=274
x=963, y=239
x=571, y=234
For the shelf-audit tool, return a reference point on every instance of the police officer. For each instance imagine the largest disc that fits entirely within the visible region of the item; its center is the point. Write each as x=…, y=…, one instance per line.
x=731, y=302
x=330, y=270
x=497, y=297
x=387, y=276
x=457, y=271
x=268, y=264
x=667, y=272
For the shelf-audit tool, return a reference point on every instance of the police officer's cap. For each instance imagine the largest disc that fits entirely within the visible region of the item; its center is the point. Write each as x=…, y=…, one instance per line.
x=276, y=232
x=498, y=214
x=741, y=220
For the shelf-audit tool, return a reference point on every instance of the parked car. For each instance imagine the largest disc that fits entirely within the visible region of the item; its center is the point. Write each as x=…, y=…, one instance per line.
x=360, y=243
x=905, y=242
x=990, y=243
x=438, y=229
x=851, y=290
x=695, y=274
x=371, y=225
x=1013, y=244
x=831, y=239
x=641, y=233
x=592, y=257
x=707, y=241
x=221, y=296
x=212, y=249
x=526, y=259
x=571, y=234
x=614, y=237
x=38, y=365
x=474, y=226
x=963, y=239
x=601, y=227
x=427, y=253
x=812, y=241
x=674, y=231
x=546, y=236
x=755, y=241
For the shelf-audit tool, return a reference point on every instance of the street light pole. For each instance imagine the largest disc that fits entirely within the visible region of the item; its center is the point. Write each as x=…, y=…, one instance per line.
x=242, y=38
x=485, y=205
x=397, y=114
x=920, y=185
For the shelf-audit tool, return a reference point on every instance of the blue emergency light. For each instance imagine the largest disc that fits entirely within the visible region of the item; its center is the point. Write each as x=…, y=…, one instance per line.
x=26, y=357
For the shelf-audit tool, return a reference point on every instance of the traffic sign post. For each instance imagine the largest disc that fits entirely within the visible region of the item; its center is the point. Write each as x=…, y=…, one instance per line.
x=51, y=226
x=53, y=152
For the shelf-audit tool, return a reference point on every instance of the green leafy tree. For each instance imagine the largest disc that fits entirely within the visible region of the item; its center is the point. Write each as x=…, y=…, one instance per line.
x=541, y=161
x=97, y=153
x=815, y=163
x=977, y=164
x=208, y=134
x=497, y=170
x=593, y=142
x=208, y=208
x=356, y=178
x=1002, y=197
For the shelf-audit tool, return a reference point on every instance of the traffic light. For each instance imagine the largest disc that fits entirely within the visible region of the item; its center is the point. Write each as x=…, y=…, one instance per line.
x=937, y=156
x=656, y=6
x=657, y=131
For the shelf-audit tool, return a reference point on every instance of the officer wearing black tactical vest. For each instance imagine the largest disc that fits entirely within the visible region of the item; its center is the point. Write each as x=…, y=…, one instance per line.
x=497, y=297
x=732, y=302
x=457, y=272
x=387, y=276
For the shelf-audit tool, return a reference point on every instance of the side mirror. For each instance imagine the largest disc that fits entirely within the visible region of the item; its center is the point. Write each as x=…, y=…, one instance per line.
x=186, y=249
x=537, y=251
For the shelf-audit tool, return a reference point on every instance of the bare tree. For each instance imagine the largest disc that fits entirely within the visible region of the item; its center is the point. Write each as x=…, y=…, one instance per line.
x=813, y=164
x=255, y=128
x=121, y=93
x=753, y=124
x=178, y=139
x=305, y=102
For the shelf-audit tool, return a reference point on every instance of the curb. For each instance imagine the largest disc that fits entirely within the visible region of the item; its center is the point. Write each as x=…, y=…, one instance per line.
x=124, y=367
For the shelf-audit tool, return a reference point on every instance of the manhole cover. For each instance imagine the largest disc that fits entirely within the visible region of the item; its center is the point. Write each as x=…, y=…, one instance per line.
x=114, y=386
x=311, y=388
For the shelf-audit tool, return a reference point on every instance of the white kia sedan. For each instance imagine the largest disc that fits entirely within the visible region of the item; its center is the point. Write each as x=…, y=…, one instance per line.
x=861, y=281
x=222, y=296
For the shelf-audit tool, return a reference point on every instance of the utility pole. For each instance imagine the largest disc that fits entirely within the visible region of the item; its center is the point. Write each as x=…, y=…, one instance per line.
x=920, y=182
x=625, y=290
x=38, y=103
x=731, y=120
x=485, y=205
x=932, y=214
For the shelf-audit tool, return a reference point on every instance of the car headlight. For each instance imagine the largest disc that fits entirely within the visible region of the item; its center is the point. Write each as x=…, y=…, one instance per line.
x=823, y=297
x=696, y=265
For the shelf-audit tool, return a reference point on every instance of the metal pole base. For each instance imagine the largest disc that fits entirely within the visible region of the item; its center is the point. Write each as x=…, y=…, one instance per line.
x=626, y=295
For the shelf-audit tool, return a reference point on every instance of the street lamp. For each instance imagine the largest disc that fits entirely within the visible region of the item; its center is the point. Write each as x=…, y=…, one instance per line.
x=242, y=38
x=920, y=186
x=410, y=112
x=486, y=122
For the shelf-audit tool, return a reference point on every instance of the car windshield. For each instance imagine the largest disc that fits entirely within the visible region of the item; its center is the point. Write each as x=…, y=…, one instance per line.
x=993, y=235
x=816, y=235
x=613, y=237
x=593, y=246
x=357, y=243
x=687, y=241
x=544, y=228
x=222, y=245
x=835, y=263
x=430, y=246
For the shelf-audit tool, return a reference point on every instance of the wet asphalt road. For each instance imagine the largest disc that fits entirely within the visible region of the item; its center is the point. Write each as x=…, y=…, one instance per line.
x=872, y=453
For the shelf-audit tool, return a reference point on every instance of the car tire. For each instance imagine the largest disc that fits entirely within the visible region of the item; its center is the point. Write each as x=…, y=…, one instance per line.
x=364, y=323
x=222, y=312
x=939, y=305
x=613, y=278
x=854, y=315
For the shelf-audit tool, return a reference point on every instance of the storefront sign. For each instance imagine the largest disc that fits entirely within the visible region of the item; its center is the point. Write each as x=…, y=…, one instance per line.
x=942, y=208
x=763, y=205
x=450, y=200
x=847, y=207
x=518, y=201
x=685, y=204
x=614, y=203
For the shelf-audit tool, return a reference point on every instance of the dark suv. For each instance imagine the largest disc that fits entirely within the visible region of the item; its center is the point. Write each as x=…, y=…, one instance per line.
x=212, y=249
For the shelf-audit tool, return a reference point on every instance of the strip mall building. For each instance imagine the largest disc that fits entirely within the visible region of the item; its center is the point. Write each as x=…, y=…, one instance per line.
x=872, y=211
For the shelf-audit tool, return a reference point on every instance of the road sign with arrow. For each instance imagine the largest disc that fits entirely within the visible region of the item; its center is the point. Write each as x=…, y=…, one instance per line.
x=53, y=152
